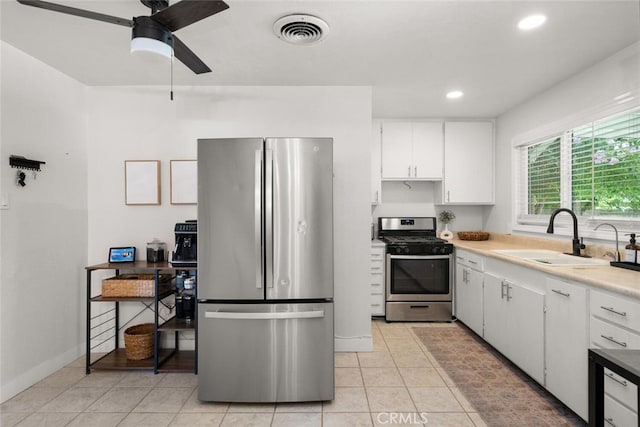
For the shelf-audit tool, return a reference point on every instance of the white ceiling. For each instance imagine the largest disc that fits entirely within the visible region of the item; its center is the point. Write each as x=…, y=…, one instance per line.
x=410, y=52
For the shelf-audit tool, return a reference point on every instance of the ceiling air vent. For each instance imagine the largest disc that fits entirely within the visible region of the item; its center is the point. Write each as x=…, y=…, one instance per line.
x=301, y=29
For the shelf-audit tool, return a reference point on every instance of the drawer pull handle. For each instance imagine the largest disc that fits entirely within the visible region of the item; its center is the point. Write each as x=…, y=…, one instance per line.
x=620, y=343
x=564, y=294
x=473, y=262
x=621, y=382
x=610, y=422
x=621, y=313
x=376, y=268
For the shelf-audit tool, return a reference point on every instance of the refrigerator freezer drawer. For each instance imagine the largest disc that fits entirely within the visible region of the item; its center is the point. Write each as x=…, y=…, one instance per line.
x=265, y=352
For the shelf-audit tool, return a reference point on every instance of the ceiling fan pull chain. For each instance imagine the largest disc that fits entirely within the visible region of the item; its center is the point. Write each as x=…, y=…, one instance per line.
x=172, y=74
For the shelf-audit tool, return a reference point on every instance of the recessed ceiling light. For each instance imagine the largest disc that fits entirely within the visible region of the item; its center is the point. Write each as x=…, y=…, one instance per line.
x=532, y=21
x=455, y=94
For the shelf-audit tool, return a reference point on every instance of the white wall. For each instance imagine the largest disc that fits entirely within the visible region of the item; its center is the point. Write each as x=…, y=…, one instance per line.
x=44, y=231
x=597, y=85
x=128, y=123
x=416, y=198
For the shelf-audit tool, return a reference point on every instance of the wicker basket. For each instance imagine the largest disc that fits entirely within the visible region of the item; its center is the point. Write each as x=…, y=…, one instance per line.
x=138, y=341
x=473, y=235
x=134, y=285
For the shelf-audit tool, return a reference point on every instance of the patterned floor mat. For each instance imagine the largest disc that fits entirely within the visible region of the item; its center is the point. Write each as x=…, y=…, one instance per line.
x=501, y=393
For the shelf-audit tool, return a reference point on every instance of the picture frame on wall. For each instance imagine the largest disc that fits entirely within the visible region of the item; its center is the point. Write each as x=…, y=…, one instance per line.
x=142, y=182
x=184, y=182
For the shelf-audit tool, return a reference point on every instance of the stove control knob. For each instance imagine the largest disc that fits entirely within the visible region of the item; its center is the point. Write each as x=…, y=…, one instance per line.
x=406, y=249
x=443, y=250
x=434, y=250
x=398, y=249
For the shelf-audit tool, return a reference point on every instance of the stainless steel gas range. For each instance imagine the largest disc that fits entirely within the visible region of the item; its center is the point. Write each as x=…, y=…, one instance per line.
x=419, y=270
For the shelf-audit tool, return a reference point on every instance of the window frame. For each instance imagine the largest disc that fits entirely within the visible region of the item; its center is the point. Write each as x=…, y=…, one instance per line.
x=563, y=128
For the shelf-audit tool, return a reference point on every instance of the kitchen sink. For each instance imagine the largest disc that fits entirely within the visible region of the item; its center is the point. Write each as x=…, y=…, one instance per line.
x=550, y=258
x=527, y=253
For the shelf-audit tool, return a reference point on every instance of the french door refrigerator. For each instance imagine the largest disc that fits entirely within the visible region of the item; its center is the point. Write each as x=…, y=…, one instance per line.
x=265, y=270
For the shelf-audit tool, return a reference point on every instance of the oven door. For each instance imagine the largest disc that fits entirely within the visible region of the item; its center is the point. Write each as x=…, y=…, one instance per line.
x=419, y=277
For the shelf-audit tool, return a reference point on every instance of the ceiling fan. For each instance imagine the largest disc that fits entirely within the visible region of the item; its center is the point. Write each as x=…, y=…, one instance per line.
x=155, y=32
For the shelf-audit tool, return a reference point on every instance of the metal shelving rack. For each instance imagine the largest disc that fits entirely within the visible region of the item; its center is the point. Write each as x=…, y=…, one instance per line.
x=164, y=359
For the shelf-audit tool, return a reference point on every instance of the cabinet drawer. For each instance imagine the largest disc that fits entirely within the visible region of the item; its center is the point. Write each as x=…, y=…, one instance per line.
x=377, y=267
x=617, y=415
x=470, y=259
x=620, y=388
x=377, y=299
x=377, y=254
x=606, y=335
x=377, y=305
x=377, y=309
x=616, y=309
x=377, y=288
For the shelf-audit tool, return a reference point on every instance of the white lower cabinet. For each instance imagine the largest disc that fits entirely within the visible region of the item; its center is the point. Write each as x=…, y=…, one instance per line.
x=615, y=324
x=566, y=344
x=545, y=325
x=618, y=415
x=514, y=322
x=468, y=290
x=377, y=279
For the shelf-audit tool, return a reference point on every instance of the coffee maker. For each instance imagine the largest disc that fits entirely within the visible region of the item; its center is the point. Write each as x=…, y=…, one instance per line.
x=185, y=253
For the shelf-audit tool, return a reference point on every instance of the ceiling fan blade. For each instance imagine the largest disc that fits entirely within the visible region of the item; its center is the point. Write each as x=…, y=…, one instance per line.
x=188, y=58
x=186, y=12
x=78, y=12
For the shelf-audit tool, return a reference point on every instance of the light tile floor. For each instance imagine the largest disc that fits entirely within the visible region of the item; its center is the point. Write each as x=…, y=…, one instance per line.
x=399, y=383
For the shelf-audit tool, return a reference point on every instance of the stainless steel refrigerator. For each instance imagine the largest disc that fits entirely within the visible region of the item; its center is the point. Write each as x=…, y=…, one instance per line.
x=265, y=270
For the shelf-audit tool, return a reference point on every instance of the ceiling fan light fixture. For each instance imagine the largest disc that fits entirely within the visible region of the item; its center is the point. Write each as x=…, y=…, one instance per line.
x=144, y=44
x=149, y=36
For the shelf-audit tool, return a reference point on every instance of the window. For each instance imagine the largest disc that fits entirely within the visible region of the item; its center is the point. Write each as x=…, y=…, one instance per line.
x=593, y=169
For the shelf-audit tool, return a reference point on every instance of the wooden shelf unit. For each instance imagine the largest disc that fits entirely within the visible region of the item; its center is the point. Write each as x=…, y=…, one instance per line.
x=163, y=359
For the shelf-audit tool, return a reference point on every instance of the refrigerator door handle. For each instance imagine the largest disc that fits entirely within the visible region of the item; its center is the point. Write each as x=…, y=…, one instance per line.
x=269, y=206
x=257, y=226
x=264, y=316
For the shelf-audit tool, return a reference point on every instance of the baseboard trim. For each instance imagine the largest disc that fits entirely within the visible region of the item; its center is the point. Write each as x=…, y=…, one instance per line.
x=353, y=344
x=38, y=373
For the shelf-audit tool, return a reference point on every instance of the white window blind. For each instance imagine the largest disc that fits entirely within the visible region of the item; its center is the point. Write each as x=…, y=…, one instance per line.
x=593, y=169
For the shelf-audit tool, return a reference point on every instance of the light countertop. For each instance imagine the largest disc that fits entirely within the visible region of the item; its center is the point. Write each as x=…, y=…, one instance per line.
x=615, y=279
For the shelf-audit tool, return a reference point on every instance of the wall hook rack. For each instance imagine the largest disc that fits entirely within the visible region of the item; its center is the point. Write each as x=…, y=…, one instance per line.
x=24, y=163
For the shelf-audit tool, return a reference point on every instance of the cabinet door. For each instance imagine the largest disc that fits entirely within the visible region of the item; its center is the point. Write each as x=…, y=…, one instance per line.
x=461, y=296
x=567, y=343
x=468, y=162
x=397, y=150
x=494, y=304
x=525, y=326
x=474, y=300
x=428, y=150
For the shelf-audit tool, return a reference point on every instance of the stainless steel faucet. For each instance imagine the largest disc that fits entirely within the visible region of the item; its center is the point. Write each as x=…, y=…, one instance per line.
x=577, y=242
x=616, y=230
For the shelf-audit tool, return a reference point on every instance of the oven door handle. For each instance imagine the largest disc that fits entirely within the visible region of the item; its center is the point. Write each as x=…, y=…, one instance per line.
x=419, y=256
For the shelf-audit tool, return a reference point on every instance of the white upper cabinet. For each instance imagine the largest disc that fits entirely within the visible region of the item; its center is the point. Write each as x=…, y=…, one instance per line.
x=412, y=150
x=468, y=163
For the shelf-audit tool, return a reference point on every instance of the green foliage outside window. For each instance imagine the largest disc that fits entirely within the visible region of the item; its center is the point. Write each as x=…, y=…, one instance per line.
x=544, y=177
x=604, y=170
